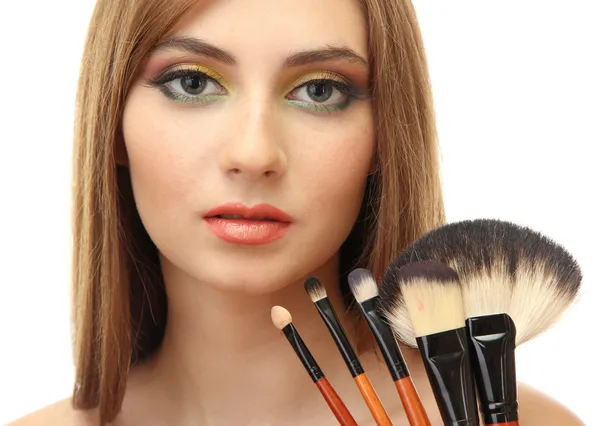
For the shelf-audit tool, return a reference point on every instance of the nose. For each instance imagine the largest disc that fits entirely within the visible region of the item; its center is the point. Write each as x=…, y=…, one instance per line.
x=253, y=150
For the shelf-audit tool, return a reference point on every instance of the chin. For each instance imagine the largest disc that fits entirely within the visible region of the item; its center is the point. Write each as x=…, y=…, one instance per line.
x=256, y=275
x=252, y=271
x=250, y=283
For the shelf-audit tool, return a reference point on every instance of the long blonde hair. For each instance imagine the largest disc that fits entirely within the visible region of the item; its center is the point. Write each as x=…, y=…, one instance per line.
x=119, y=302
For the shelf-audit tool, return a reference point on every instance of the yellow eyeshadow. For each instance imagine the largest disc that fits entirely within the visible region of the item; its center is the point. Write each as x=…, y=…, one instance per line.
x=209, y=72
x=320, y=75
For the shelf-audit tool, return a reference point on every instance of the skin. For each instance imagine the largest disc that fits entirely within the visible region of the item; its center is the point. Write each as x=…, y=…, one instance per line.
x=222, y=360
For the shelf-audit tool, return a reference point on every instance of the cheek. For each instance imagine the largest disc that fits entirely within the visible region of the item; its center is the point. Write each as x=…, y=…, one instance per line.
x=163, y=157
x=337, y=163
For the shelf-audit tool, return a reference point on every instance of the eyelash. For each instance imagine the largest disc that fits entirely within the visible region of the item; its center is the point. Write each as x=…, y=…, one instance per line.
x=350, y=92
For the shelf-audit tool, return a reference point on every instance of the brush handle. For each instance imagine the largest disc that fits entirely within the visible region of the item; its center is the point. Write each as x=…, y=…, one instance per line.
x=385, y=339
x=448, y=366
x=492, y=350
x=372, y=400
x=336, y=405
x=312, y=368
x=415, y=412
x=339, y=336
x=515, y=423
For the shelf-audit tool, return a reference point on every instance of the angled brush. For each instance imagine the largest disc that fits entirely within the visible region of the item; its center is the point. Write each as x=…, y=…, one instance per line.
x=429, y=294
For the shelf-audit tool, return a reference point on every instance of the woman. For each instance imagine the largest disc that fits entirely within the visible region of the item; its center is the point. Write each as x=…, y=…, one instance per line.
x=190, y=115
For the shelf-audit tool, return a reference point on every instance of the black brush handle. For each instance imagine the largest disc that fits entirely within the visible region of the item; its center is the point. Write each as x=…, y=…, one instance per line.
x=385, y=339
x=492, y=345
x=303, y=353
x=339, y=336
x=448, y=367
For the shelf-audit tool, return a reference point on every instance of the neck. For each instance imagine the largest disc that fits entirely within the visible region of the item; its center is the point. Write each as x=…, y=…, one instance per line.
x=221, y=350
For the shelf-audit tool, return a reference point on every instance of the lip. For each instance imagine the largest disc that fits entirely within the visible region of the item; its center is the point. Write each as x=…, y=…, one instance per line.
x=257, y=211
x=257, y=225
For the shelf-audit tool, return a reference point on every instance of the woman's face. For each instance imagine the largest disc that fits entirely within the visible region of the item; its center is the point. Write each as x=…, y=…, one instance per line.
x=254, y=102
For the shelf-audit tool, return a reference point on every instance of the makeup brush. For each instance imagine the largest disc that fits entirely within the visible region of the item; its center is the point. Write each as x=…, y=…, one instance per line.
x=318, y=295
x=282, y=319
x=364, y=288
x=515, y=282
x=431, y=294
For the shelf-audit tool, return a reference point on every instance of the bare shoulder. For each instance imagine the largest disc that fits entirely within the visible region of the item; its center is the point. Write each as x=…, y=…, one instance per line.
x=60, y=413
x=536, y=408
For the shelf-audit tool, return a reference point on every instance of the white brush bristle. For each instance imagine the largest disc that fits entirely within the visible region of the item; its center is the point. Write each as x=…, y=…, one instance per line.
x=399, y=319
x=536, y=303
x=362, y=285
x=433, y=306
x=485, y=292
x=280, y=316
x=421, y=298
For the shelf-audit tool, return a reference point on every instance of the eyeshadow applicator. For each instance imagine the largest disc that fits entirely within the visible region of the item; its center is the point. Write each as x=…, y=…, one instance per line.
x=318, y=295
x=282, y=319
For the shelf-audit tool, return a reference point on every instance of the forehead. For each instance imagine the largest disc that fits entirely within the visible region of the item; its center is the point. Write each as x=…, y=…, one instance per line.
x=276, y=27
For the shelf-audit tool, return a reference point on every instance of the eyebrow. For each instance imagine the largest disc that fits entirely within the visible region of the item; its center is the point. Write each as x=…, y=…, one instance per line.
x=296, y=59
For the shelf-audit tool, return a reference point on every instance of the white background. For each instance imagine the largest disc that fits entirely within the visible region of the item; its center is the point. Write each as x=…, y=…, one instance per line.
x=517, y=91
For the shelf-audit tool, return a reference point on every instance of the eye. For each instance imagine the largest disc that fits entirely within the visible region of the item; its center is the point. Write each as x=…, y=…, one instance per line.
x=322, y=91
x=189, y=85
x=195, y=83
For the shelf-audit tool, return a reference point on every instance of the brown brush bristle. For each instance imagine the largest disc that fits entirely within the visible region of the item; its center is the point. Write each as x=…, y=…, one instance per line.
x=428, y=293
x=503, y=268
x=315, y=289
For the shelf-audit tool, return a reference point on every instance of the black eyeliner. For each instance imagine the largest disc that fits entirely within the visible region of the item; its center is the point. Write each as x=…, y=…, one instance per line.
x=347, y=89
x=177, y=74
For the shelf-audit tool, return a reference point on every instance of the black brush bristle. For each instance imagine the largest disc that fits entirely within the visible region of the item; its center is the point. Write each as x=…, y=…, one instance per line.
x=431, y=270
x=315, y=289
x=480, y=244
x=390, y=293
x=312, y=284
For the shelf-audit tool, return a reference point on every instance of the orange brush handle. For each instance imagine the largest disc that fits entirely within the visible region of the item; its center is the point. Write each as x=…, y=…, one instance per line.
x=372, y=400
x=337, y=406
x=415, y=412
x=515, y=423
